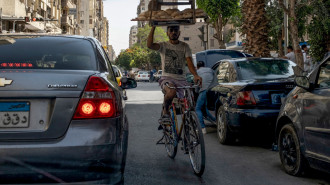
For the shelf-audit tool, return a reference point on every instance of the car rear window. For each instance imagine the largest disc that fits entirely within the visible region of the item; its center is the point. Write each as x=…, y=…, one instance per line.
x=46, y=53
x=265, y=69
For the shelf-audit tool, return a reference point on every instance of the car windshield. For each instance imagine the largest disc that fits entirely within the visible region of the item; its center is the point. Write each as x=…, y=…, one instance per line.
x=47, y=53
x=265, y=69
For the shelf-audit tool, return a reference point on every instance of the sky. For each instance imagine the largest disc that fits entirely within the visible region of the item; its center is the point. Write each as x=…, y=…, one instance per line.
x=119, y=13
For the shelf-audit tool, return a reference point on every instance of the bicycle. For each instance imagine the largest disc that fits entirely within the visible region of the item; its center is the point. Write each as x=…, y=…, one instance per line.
x=190, y=132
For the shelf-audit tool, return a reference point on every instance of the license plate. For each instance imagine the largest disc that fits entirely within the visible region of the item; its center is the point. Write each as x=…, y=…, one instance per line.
x=276, y=98
x=14, y=114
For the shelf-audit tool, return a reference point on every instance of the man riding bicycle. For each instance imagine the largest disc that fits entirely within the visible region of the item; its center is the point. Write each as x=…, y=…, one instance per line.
x=175, y=55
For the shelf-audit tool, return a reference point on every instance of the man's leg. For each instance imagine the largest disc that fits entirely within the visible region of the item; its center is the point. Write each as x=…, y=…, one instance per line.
x=199, y=105
x=169, y=95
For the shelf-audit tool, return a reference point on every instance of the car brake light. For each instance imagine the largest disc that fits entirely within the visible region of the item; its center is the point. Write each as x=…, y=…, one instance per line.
x=245, y=98
x=97, y=101
x=138, y=75
x=148, y=75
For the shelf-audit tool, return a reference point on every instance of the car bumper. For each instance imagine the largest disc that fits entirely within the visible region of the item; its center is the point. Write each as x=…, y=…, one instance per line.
x=88, y=151
x=246, y=119
x=143, y=78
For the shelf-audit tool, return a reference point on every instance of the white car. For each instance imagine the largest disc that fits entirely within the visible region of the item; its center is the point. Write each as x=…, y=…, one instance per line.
x=142, y=76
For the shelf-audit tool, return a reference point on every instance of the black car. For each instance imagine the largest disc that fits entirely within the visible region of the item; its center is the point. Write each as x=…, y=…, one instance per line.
x=247, y=94
x=62, y=112
x=303, y=125
x=212, y=56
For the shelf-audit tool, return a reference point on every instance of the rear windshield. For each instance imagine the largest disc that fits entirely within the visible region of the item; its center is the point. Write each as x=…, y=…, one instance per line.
x=143, y=72
x=46, y=53
x=265, y=69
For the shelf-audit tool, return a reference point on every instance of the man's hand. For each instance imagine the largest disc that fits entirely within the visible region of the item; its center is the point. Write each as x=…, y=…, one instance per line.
x=198, y=79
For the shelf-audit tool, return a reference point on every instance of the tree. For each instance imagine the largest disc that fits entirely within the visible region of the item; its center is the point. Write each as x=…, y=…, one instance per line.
x=220, y=12
x=143, y=33
x=124, y=59
x=255, y=27
x=274, y=14
x=319, y=28
x=293, y=13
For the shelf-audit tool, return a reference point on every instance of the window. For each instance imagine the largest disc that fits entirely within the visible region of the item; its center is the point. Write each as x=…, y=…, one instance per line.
x=265, y=69
x=90, y=21
x=186, y=38
x=212, y=43
x=211, y=31
x=223, y=73
x=48, y=53
x=82, y=21
x=324, y=77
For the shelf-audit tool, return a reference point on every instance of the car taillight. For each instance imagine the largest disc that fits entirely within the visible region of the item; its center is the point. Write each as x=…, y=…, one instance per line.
x=148, y=75
x=97, y=101
x=138, y=75
x=245, y=98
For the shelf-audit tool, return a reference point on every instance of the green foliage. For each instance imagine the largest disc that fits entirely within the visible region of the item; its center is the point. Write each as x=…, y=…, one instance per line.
x=139, y=55
x=319, y=28
x=124, y=59
x=220, y=13
x=215, y=8
x=143, y=33
x=275, y=15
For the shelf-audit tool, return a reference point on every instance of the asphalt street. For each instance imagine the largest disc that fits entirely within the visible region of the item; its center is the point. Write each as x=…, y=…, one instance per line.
x=244, y=164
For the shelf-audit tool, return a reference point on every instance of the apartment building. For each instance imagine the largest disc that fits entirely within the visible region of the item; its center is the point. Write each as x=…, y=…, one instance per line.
x=111, y=53
x=69, y=17
x=189, y=34
x=133, y=36
x=73, y=17
x=30, y=16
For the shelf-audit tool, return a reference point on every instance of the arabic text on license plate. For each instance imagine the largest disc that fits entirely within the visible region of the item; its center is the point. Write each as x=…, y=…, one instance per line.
x=14, y=114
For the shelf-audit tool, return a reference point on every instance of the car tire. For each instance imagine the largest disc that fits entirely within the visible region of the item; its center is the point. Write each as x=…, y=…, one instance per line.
x=291, y=157
x=225, y=136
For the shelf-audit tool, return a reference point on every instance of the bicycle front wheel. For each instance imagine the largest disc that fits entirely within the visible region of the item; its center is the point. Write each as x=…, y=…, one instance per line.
x=171, y=143
x=195, y=143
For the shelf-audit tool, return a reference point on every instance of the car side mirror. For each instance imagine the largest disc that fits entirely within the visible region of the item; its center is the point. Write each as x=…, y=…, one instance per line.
x=128, y=83
x=302, y=81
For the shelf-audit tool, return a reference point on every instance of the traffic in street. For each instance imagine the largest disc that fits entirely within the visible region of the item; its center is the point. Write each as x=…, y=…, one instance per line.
x=251, y=162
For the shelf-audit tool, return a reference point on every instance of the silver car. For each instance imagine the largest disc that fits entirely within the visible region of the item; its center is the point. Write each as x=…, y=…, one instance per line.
x=62, y=116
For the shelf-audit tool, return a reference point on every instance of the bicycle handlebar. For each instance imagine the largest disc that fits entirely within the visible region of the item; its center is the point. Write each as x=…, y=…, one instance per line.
x=184, y=87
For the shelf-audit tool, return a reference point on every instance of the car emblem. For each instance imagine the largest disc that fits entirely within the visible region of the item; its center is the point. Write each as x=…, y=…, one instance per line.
x=4, y=82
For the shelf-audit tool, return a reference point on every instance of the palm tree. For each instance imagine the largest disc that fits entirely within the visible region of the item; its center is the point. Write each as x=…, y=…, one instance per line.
x=255, y=27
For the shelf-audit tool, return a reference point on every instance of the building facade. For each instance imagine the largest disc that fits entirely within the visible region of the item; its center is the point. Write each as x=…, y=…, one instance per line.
x=73, y=17
x=133, y=36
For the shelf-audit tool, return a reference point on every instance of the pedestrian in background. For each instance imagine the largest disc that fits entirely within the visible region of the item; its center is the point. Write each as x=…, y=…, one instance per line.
x=290, y=54
x=307, y=59
x=207, y=76
x=151, y=78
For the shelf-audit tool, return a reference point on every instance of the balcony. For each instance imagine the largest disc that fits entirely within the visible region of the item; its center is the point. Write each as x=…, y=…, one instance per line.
x=68, y=4
x=65, y=20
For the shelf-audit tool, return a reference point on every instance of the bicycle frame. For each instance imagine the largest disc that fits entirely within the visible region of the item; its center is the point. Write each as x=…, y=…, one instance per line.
x=184, y=108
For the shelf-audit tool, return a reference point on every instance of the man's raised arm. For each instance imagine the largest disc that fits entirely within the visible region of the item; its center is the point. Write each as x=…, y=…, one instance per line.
x=150, y=43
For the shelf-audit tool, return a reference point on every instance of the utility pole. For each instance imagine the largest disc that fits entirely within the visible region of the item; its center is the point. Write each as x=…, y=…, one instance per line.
x=286, y=31
x=0, y=20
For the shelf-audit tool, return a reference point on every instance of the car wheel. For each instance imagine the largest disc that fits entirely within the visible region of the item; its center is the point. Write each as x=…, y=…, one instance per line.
x=292, y=160
x=225, y=136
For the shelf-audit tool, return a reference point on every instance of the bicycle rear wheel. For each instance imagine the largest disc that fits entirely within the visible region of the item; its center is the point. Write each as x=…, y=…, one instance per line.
x=195, y=143
x=171, y=143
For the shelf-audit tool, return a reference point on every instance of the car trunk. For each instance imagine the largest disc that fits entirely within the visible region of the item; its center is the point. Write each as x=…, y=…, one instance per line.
x=39, y=104
x=269, y=93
